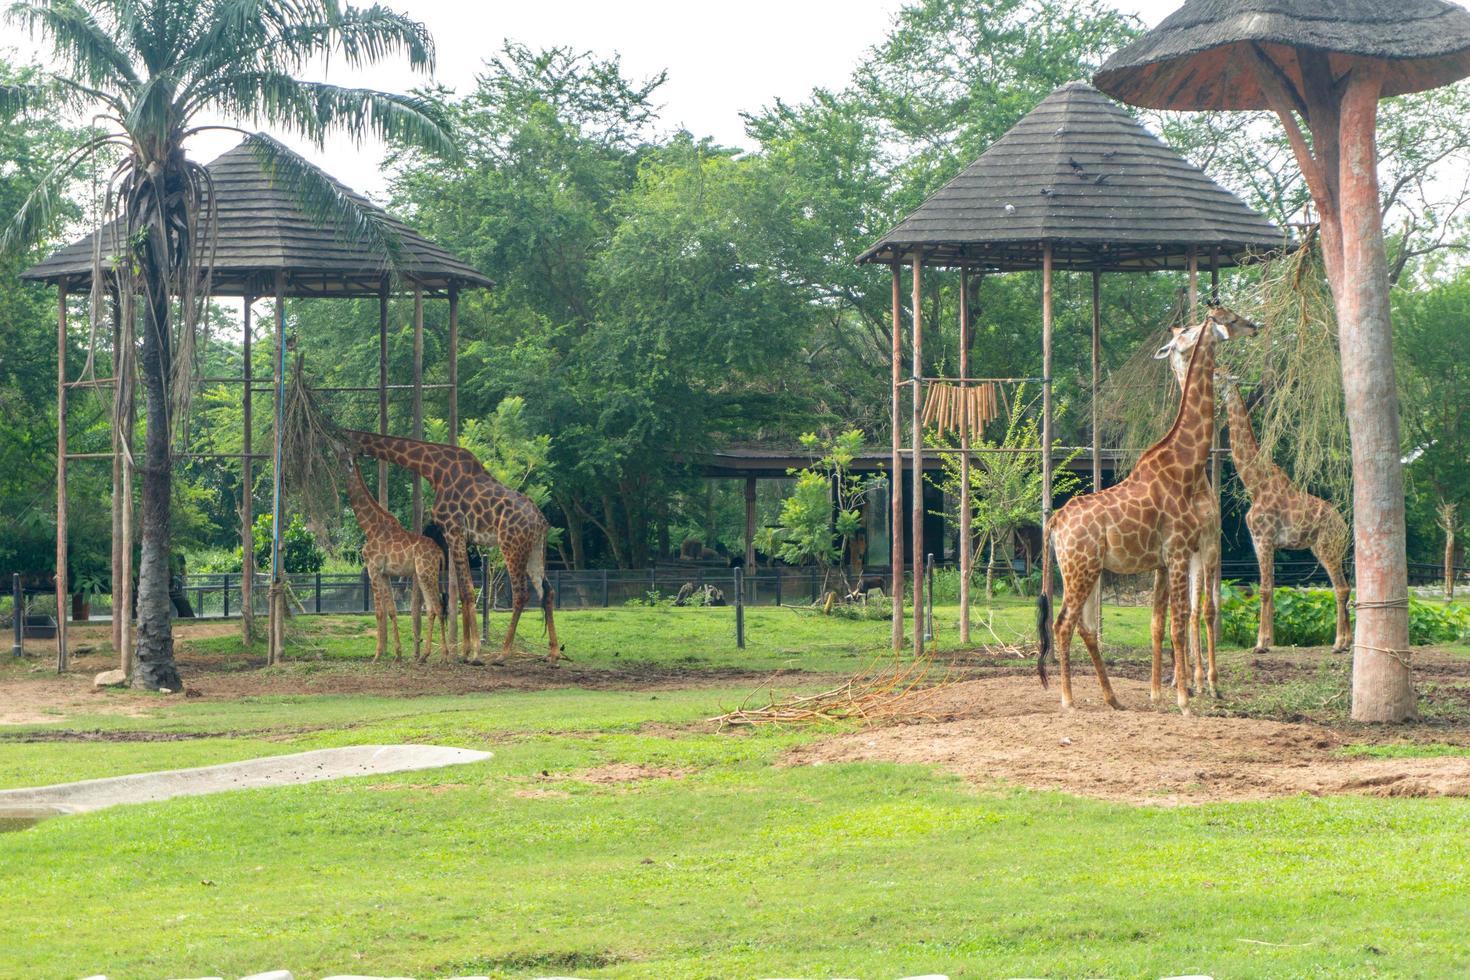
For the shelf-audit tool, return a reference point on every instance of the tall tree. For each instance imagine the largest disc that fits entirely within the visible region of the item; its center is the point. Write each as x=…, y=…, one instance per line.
x=152, y=71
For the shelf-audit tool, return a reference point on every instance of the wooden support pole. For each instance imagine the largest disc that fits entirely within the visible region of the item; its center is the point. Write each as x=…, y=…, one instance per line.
x=750, y=523
x=1097, y=481
x=916, y=486
x=383, y=387
x=277, y=642
x=454, y=364
x=61, y=495
x=418, y=401
x=117, y=481
x=1047, y=588
x=965, y=422
x=895, y=464
x=247, y=485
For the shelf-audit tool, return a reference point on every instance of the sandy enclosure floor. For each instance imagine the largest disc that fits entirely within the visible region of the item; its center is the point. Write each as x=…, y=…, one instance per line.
x=1009, y=729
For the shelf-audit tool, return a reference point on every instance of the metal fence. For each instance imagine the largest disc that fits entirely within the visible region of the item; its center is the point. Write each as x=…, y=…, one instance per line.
x=217, y=595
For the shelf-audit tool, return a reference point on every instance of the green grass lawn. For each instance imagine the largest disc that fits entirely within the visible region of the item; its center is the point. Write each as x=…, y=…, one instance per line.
x=726, y=864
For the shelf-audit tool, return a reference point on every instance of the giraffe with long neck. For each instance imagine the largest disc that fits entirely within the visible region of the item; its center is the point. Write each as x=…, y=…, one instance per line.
x=1151, y=520
x=471, y=506
x=388, y=550
x=1281, y=515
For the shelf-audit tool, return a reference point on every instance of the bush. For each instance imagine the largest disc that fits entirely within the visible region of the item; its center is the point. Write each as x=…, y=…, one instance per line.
x=1308, y=618
x=299, y=551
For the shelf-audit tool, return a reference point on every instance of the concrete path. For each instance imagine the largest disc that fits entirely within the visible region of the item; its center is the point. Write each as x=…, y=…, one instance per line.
x=278, y=770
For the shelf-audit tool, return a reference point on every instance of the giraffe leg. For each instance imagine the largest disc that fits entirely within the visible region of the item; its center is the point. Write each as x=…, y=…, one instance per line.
x=465, y=589
x=1266, y=556
x=1197, y=586
x=383, y=608
x=548, y=600
x=1178, y=617
x=1156, y=636
x=515, y=569
x=1088, y=630
x=1333, y=564
x=392, y=608
x=1212, y=586
x=1063, y=632
x=416, y=612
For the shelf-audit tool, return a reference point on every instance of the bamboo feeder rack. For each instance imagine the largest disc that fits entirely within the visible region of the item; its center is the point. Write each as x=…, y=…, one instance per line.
x=948, y=406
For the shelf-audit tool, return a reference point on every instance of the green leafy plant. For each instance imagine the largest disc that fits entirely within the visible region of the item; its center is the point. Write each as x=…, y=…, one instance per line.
x=1308, y=618
x=299, y=551
x=821, y=520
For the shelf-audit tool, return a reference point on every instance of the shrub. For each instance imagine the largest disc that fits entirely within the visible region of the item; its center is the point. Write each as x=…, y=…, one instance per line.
x=1308, y=618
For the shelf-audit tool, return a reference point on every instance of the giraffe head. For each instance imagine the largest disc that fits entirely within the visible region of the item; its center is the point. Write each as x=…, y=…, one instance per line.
x=1223, y=323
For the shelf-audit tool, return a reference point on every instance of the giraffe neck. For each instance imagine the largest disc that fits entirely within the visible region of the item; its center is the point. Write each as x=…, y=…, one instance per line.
x=1244, y=449
x=427, y=459
x=370, y=514
x=1189, y=440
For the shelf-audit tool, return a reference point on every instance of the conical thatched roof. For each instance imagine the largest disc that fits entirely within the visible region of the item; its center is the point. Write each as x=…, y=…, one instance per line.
x=1196, y=60
x=1078, y=172
x=263, y=229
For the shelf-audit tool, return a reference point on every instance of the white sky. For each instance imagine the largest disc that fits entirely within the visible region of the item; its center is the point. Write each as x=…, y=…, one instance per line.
x=721, y=59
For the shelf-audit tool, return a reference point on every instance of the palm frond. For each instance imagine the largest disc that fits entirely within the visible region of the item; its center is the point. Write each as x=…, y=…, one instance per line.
x=77, y=36
x=38, y=213
x=326, y=201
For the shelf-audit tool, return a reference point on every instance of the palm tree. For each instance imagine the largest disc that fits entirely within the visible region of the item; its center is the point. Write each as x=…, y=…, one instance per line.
x=150, y=74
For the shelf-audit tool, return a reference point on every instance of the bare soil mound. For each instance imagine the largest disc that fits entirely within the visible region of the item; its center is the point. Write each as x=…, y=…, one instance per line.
x=1009, y=729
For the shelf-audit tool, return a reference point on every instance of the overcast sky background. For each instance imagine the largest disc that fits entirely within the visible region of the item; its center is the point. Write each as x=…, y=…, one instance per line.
x=721, y=60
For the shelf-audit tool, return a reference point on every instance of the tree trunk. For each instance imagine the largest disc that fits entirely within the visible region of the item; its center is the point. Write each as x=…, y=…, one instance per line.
x=990, y=573
x=1447, y=522
x=153, y=666
x=1383, y=689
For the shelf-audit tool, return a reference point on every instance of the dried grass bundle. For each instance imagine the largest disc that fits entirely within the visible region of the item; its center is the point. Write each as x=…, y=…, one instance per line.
x=890, y=687
x=311, y=470
x=1301, y=422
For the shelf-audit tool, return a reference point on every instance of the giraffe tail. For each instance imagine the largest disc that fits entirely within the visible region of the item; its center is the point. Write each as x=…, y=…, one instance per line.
x=536, y=566
x=1043, y=632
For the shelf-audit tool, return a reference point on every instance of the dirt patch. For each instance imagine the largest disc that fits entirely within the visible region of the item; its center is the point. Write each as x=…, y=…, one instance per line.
x=627, y=772
x=1009, y=729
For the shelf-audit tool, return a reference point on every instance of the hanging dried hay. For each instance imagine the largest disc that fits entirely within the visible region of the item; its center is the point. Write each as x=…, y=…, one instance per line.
x=311, y=470
x=1139, y=401
x=1301, y=422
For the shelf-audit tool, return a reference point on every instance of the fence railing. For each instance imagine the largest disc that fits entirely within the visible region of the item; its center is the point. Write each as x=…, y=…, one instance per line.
x=216, y=595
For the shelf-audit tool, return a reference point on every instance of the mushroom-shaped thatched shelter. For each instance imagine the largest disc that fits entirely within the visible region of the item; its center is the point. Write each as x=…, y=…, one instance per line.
x=1328, y=62
x=1077, y=185
x=266, y=245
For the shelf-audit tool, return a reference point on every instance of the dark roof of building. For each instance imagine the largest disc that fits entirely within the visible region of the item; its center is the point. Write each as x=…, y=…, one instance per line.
x=1081, y=174
x=263, y=229
x=1195, y=59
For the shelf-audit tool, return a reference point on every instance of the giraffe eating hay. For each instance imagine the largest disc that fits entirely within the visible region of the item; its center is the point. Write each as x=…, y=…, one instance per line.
x=470, y=505
x=1152, y=520
x=391, y=550
x=1283, y=516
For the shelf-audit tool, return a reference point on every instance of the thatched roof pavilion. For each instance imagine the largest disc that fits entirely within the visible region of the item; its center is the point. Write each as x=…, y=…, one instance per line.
x=268, y=245
x=1082, y=174
x=1077, y=185
x=263, y=229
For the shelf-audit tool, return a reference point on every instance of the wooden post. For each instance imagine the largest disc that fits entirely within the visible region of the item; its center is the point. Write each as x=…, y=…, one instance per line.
x=61, y=495
x=247, y=477
x=1096, y=599
x=750, y=523
x=1047, y=588
x=276, y=644
x=418, y=401
x=383, y=387
x=895, y=465
x=916, y=502
x=127, y=424
x=117, y=497
x=964, y=502
x=1216, y=465
x=453, y=364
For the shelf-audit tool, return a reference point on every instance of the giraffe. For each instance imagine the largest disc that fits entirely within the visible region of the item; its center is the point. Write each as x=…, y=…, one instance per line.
x=472, y=506
x=1203, y=593
x=391, y=550
x=1152, y=520
x=1283, y=516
